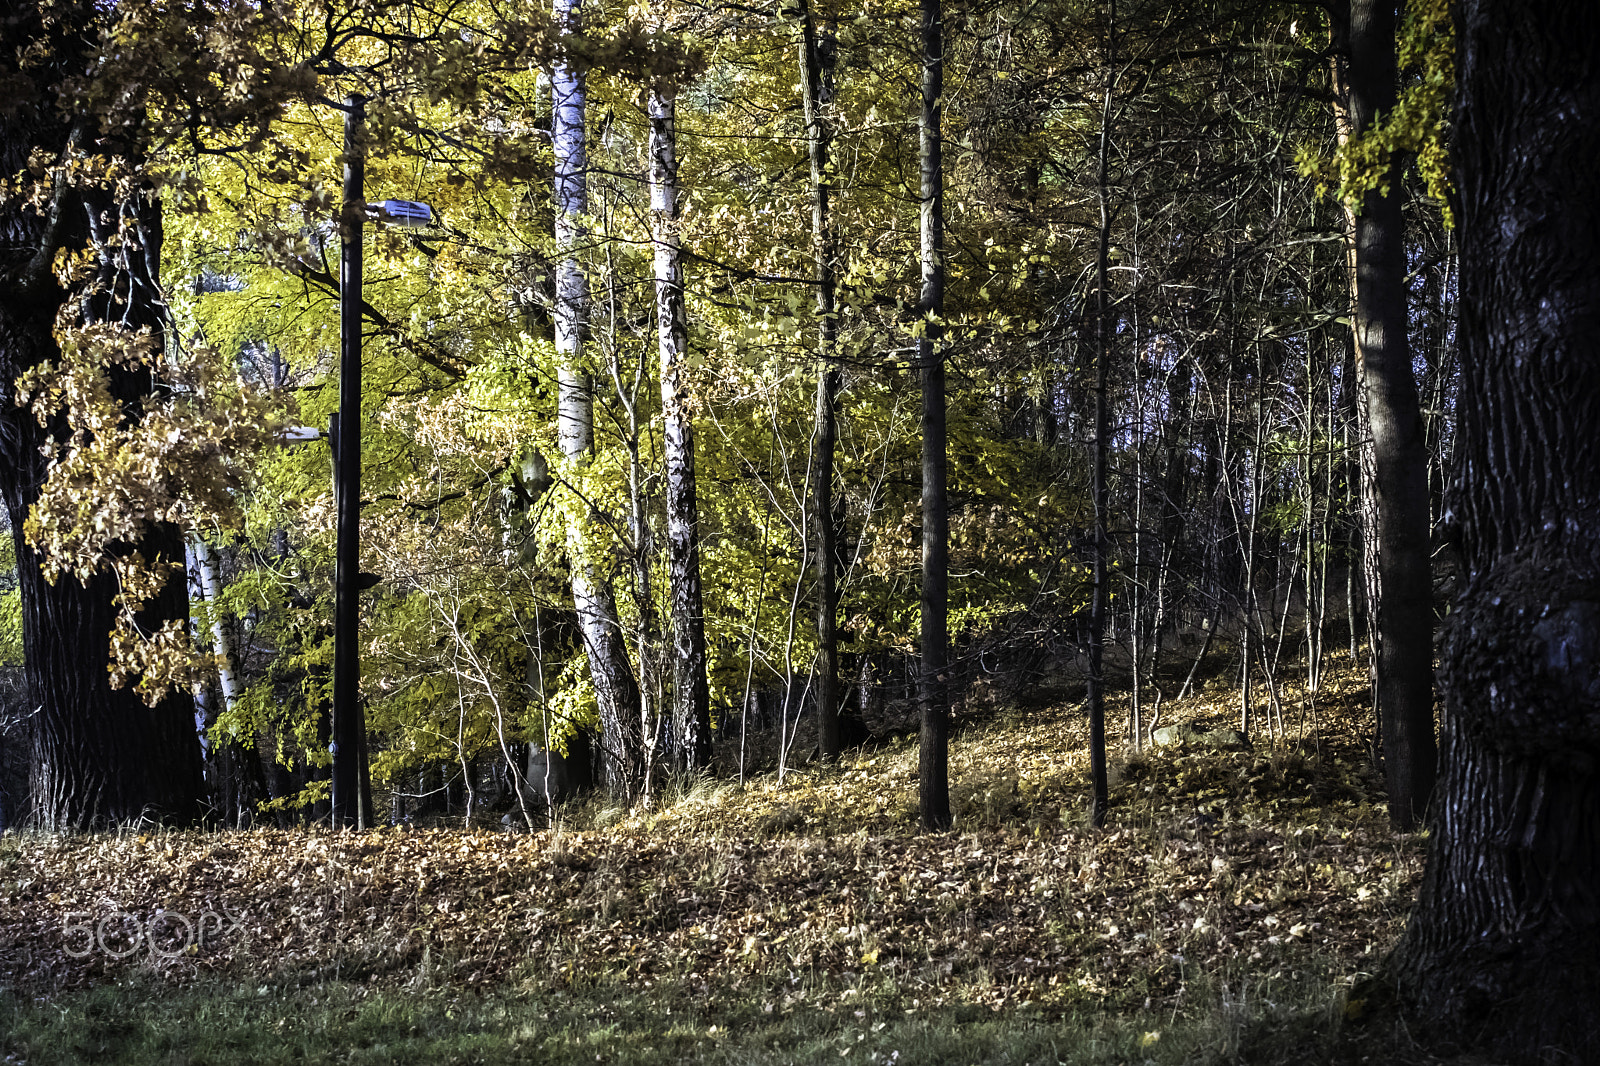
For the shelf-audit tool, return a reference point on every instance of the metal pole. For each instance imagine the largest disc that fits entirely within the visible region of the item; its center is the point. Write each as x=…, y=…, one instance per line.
x=348, y=727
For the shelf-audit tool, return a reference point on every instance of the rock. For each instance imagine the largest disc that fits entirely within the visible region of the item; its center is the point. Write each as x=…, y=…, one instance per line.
x=1184, y=733
x=1181, y=733
x=1226, y=740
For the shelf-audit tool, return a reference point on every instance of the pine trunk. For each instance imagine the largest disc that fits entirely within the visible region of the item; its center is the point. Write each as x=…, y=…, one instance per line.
x=1099, y=603
x=1395, y=485
x=816, y=71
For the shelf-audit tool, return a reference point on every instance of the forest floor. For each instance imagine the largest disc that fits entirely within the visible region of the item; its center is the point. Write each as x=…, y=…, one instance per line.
x=1224, y=915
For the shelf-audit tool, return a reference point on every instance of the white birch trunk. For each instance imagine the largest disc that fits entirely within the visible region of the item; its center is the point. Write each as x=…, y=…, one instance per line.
x=616, y=692
x=205, y=567
x=691, y=700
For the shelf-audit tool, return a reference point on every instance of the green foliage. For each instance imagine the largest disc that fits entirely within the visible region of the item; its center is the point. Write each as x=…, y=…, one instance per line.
x=461, y=372
x=1418, y=127
x=11, y=627
x=10, y=603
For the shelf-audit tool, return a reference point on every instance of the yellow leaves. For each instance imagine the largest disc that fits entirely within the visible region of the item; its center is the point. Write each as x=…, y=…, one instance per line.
x=1415, y=126
x=319, y=199
x=73, y=268
x=127, y=464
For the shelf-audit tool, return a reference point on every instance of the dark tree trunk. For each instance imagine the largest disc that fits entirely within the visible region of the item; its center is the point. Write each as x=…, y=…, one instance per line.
x=1503, y=948
x=816, y=78
x=561, y=775
x=1100, y=599
x=99, y=755
x=933, y=760
x=1398, y=528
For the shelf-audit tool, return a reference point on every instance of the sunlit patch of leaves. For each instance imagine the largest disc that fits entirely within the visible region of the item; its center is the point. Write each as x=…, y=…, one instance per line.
x=1212, y=861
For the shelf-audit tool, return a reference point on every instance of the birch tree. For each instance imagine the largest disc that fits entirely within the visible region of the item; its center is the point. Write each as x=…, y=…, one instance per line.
x=616, y=690
x=933, y=760
x=690, y=747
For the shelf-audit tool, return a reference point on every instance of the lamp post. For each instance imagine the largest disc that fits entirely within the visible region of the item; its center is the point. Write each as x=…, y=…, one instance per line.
x=348, y=726
x=351, y=787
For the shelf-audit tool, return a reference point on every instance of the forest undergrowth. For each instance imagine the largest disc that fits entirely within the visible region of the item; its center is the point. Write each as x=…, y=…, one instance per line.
x=1223, y=915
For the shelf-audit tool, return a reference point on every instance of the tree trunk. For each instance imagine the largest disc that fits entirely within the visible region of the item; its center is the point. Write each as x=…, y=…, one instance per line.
x=100, y=756
x=616, y=691
x=1100, y=597
x=233, y=768
x=1397, y=489
x=691, y=698
x=1503, y=948
x=816, y=74
x=205, y=564
x=933, y=760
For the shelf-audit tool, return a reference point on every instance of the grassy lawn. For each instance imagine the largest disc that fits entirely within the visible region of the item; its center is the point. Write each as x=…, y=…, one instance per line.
x=137, y=1021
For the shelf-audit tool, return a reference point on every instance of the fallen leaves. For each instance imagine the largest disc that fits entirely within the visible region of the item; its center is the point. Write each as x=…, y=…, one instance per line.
x=1214, y=863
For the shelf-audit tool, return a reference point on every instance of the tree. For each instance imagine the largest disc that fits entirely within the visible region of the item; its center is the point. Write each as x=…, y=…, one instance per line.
x=1395, y=486
x=616, y=691
x=933, y=760
x=100, y=754
x=816, y=83
x=1100, y=601
x=691, y=699
x=1503, y=948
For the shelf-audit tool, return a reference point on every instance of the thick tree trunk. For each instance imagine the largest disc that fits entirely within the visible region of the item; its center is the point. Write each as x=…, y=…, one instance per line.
x=691, y=697
x=933, y=761
x=1503, y=948
x=816, y=75
x=1396, y=491
x=616, y=691
x=99, y=755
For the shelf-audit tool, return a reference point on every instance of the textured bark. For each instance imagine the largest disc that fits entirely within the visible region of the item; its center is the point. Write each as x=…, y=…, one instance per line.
x=816, y=76
x=210, y=590
x=233, y=773
x=99, y=755
x=1503, y=948
x=1395, y=470
x=616, y=690
x=691, y=696
x=933, y=760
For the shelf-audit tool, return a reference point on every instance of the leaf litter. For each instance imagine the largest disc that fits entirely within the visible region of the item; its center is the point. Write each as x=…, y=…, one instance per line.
x=1271, y=860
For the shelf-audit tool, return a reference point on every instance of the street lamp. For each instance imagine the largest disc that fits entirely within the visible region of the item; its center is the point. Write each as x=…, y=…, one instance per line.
x=351, y=787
